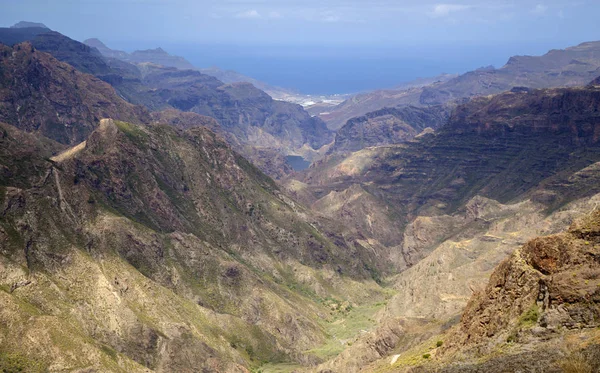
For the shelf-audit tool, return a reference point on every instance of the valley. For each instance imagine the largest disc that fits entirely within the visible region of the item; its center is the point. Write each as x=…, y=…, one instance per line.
x=159, y=217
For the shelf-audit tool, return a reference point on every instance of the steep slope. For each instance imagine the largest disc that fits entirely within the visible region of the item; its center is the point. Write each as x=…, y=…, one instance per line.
x=526, y=165
x=557, y=275
x=501, y=147
x=148, y=248
x=387, y=126
x=542, y=299
x=574, y=66
x=41, y=94
x=243, y=110
x=250, y=115
x=106, y=51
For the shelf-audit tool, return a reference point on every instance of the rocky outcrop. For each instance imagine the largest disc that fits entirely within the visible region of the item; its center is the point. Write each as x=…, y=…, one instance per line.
x=546, y=287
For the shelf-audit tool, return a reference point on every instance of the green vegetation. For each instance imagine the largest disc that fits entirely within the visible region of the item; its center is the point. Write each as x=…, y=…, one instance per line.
x=530, y=317
x=135, y=133
x=439, y=343
x=348, y=323
x=17, y=363
x=426, y=356
x=278, y=368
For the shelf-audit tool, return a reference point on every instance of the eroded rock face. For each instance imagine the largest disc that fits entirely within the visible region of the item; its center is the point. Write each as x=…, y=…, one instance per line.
x=551, y=282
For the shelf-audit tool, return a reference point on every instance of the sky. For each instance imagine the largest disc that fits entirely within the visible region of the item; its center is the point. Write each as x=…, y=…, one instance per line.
x=425, y=30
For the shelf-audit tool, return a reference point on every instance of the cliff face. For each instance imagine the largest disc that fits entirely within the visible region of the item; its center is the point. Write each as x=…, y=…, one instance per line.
x=41, y=94
x=573, y=112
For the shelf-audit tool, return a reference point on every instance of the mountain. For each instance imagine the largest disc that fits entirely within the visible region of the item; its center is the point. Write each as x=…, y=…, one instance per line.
x=500, y=147
x=106, y=51
x=156, y=56
x=43, y=95
x=160, y=57
x=574, y=66
x=388, y=126
x=82, y=57
x=253, y=117
x=230, y=76
x=538, y=312
x=363, y=103
x=145, y=244
x=25, y=24
x=446, y=208
x=240, y=108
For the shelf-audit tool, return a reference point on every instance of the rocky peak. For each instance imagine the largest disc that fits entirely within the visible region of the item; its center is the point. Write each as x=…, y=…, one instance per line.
x=26, y=24
x=96, y=43
x=156, y=51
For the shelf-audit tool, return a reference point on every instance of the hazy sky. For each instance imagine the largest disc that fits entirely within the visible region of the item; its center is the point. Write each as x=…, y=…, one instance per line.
x=349, y=22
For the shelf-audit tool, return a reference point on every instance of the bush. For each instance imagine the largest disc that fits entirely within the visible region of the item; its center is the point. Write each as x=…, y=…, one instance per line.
x=530, y=317
x=439, y=343
x=426, y=356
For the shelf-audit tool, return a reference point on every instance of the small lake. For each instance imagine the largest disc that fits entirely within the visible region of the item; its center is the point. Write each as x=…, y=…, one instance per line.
x=297, y=162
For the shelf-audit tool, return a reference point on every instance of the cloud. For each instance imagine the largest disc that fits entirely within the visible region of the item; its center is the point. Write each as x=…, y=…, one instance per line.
x=330, y=17
x=443, y=10
x=255, y=14
x=540, y=9
x=248, y=14
x=274, y=15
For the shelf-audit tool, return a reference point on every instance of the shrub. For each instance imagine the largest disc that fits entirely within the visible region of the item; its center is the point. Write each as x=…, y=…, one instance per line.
x=439, y=343
x=426, y=356
x=530, y=317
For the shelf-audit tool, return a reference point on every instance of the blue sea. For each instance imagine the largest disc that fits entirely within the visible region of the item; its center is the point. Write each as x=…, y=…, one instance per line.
x=346, y=69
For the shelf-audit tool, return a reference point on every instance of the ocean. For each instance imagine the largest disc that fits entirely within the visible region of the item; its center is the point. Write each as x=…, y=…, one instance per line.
x=346, y=69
